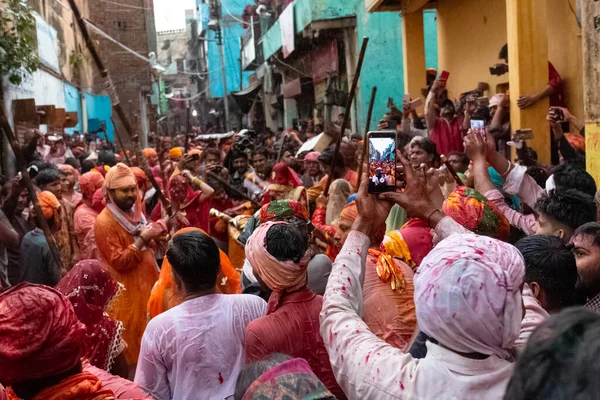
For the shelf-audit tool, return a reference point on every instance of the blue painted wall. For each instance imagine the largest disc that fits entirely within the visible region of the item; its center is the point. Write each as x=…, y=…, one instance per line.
x=232, y=32
x=99, y=107
x=72, y=104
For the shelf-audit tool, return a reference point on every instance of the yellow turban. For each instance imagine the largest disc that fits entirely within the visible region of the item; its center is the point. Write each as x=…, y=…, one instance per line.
x=175, y=152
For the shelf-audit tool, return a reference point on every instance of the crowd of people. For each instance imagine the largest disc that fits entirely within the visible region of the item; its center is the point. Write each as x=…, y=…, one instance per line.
x=203, y=268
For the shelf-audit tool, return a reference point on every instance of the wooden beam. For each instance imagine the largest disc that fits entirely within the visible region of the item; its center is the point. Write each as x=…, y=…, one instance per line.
x=413, y=54
x=403, y=6
x=528, y=69
x=590, y=22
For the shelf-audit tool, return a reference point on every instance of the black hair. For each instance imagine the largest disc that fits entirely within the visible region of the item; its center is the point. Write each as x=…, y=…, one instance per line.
x=463, y=156
x=213, y=152
x=560, y=360
x=286, y=243
x=425, y=143
x=402, y=139
x=107, y=158
x=539, y=174
x=590, y=229
x=238, y=154
x=569, y=176
x=260, y=150
x=47, y=176
x=356, y=136
x=88, y=165
x=503, y=55
x=195, y=258
x=551, y=264
x=570, y=207
x=327, y=156
x=253, y=371
x=72, y=161
x=320, y=126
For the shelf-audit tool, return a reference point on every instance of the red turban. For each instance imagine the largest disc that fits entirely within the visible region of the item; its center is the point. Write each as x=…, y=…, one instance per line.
x=40, y=335
x=98, y=203
x=89, y=183
x=140, y=177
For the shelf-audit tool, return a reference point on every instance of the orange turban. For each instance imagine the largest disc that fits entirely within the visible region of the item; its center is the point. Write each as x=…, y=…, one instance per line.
x=89, y=183
x=349, y=212
x=140, y=176
x=175, y=152
x=119, y=176
x=149, y=152
x=49, y=205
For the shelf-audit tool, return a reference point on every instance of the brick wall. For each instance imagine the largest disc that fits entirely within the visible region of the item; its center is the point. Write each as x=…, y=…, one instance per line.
x=131, y=26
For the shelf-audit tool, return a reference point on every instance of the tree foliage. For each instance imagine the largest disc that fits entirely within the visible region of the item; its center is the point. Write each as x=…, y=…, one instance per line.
x=18, y=40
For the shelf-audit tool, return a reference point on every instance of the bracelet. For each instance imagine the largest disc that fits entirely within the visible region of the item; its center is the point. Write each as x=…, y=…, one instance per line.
x=508, y=169
x=431, y=215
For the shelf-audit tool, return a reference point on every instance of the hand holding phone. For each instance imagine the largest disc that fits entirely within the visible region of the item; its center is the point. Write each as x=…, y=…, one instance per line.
x=382, y=162
x=478, y=126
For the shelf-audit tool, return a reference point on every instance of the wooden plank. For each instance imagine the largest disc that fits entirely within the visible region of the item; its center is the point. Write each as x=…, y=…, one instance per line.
x=590, y=22
x=71, y=120
x=528, y=69
x=25, y=117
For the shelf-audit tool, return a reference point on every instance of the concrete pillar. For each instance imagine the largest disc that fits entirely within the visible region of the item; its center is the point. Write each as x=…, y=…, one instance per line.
x=413, y=55
x=351, y=55
x=528, y=69
x=590, y=21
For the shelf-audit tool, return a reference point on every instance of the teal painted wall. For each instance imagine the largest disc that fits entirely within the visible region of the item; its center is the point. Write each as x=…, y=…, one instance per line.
x=431, y=43
x=383, y=66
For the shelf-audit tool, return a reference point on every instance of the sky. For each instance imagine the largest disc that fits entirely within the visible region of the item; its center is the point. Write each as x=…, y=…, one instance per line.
x=381, y=144
x=170, y=14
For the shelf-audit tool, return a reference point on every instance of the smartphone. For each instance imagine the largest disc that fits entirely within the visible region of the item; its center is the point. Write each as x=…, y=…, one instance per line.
x=560, y=115
x=416, y=103
x=382, y=162
x=478, y=125
x=522, y=134
x=444, y=76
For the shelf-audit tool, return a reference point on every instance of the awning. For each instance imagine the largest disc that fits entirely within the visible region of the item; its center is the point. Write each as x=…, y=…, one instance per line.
x=245, y=98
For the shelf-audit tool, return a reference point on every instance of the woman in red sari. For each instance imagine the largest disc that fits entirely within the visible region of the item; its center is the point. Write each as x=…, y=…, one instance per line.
x=192, y=206
x=90, y=288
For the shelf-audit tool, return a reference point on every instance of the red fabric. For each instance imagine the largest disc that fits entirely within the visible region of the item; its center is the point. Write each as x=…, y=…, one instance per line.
x=90, y=288
x=122, y=388
x=83, y=386
x=448, y=136
x=417, y=235
x=318, y=220
x=40, y=335
x=293, y=329
x=554, y=80
x=284, y=175
x=221, y=205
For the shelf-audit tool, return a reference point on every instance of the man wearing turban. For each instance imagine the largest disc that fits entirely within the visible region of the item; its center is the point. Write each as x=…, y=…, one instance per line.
x=42, y=343
x=36, y=261
x=125, y=242
x=278, y=253
x=85, y=215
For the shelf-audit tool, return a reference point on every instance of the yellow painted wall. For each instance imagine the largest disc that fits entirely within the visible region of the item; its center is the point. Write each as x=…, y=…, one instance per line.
x=471, y=33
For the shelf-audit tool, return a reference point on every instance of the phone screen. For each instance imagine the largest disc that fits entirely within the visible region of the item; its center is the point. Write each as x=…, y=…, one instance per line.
x=478, y=125
x=382, y=162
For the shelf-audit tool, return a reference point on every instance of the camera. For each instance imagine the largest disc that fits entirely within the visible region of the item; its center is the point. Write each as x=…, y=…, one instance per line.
x=499, y=69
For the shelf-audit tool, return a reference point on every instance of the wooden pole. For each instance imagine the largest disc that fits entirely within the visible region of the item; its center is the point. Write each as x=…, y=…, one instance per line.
x=116, y=104
x=120, y=140
x=187, y=132
x=233, y=189
x=280, y=153
x=22, y=165
x=365, y=137
x=336, y=152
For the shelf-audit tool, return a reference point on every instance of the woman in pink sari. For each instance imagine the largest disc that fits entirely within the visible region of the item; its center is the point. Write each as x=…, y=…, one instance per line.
x=91, y=289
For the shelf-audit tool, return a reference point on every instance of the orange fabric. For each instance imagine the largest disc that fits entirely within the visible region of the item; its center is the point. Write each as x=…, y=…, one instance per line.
x=140, y=176
x=314, y=192
x=165, y=295
x=175, y=152
x=136, y=270
x=349, y=212
x=390, y=315
x=49, y=205
x=83, y=386
x=149, y=152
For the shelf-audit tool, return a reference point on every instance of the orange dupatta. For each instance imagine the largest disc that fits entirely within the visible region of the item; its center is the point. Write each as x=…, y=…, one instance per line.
x=165, y=295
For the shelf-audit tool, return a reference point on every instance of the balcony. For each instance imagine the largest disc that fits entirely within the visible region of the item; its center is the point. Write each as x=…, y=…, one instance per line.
x=252, y=54
x=404, y=6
